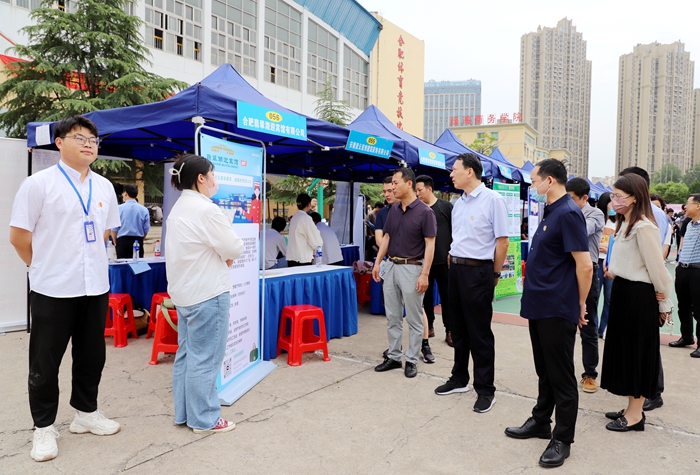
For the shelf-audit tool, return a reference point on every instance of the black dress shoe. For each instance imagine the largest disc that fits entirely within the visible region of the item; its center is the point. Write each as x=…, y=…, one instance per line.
x=680, y=343
x=651, y=404
x=621, y=425
x=387, y=365
x=696, y=353
x=530, y=429
x=615, y=415
x=555, y=454
x=411, y=371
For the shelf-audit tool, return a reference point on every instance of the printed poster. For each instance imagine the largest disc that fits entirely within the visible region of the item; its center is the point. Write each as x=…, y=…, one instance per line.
x=511, y=282
x=238, y=170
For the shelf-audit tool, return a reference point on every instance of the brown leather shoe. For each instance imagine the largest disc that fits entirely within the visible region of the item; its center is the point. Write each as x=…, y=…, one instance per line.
x=448, y=339
x=431, y=332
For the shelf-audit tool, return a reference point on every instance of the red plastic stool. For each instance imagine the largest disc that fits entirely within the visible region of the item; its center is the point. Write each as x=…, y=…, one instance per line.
x=165, y=337
x=363, y=282
x=301, y=337
x=114, y=321
x=156, y=300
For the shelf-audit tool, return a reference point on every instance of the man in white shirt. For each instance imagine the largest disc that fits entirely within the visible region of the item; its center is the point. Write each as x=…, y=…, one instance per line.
x=331, y=246
x=275, y=245
x=61, y=218
x=304, y=238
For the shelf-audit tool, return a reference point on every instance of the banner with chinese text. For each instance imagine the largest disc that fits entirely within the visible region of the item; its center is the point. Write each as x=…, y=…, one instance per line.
x=511, y=282
x=268, y=121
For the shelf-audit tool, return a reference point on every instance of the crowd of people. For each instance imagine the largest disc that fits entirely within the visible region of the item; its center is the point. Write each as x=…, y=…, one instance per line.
x=577, y=251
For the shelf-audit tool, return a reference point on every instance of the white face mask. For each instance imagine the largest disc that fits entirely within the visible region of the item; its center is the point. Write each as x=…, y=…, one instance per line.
x=213, y=189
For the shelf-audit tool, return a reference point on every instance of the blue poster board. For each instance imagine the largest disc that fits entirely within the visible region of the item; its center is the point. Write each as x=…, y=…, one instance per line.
x=369, y=144
x=269, y=121
x=431, y=159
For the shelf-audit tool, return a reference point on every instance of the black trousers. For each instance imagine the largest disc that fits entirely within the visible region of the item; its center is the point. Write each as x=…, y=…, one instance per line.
x=688, y=292
x=125, y=246
x=553, y=342
x=589, y=333
x=438, y=273
x=471, y=295
x=55, y=321
x=298, y=264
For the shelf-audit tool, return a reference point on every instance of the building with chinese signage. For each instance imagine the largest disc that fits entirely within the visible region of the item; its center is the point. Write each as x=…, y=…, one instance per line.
x=449, y=104
x=655, y=108
x=398, y=69
x=286, y=49
x=555, y=90
x=517, y=141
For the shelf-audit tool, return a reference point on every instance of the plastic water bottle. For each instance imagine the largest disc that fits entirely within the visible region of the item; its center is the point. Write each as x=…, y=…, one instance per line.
x=319, y=256
x=111, y=254
x=137, y=248
x=156, y=250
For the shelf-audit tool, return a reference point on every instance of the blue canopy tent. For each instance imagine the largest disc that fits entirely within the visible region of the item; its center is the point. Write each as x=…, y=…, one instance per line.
x=527, y=166
x=406, y=146
x=506, y=167
x=448, y=140
x=161, y=130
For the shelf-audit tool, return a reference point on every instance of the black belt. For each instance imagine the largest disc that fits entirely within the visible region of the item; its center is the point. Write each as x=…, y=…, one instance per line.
x=595, y=264
x=403, y=260
x=694, y=265
x=469, y=262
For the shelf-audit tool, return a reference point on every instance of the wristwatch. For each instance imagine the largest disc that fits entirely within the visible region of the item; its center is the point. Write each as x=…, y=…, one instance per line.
x=496, y=275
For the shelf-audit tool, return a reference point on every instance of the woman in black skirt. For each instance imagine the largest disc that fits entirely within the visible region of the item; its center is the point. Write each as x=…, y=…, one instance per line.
x=639, y=303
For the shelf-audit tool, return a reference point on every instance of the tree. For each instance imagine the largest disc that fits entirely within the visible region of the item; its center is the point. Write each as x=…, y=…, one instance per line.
x=330, y=109
x=373, y=192
x=484, y=144
x=692, y=175
x=79, y=62
x=285, y=190
x=672, y=193
x=668, y=173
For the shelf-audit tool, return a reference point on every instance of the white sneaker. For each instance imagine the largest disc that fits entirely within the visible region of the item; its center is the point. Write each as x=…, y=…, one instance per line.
x=44, y=446
x=95, y=422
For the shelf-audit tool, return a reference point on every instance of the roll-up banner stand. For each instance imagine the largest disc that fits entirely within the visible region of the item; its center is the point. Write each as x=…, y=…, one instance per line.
x=511, y=281
x=241, y=172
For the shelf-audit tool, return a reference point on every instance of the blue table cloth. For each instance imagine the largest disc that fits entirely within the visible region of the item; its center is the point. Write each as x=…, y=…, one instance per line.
x=332, y=288
x=141, y=287
x=350, y=254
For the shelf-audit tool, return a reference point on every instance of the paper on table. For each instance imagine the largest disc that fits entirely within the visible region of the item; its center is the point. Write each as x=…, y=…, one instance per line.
x=43, y=135
x=139, y=267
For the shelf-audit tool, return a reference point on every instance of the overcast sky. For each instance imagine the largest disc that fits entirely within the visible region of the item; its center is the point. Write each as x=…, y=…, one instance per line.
x=481, y=40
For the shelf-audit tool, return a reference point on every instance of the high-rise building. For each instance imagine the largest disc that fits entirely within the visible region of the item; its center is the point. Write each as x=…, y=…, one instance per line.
x=696, y=127
x=555, y=90
x=655, y=107
x=450, y=104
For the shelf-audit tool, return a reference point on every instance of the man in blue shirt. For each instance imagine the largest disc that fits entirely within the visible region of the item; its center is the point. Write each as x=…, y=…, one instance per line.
x=136, y=222
x=688, y=276
x=477, y=252
x=559, y=274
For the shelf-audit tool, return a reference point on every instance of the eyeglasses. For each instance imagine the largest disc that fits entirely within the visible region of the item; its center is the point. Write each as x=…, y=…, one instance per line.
x=618, y=195
x=81, y=139
x=691, y=203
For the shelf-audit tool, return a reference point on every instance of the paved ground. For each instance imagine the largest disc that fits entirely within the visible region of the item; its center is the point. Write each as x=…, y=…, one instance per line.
x=341, y=417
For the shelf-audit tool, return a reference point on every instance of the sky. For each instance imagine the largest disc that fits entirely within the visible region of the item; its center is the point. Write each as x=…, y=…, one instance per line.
x=481, y=40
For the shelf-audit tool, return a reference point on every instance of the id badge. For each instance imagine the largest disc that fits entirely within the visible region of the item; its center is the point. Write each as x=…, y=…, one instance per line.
x=90, y=231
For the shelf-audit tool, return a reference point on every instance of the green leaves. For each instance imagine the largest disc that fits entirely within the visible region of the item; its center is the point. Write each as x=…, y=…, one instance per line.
x=330, y=109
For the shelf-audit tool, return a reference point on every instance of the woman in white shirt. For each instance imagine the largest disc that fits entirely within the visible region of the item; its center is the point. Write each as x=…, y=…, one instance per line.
x=200, y=246
x=640, y=302
x=304, y=238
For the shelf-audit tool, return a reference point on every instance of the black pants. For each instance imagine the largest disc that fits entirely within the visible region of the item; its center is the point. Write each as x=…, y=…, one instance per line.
x=589, y=333
x=688, y=292
x=439, y=273
x=471, y=294
x=553, y=351
x=297, y=264
x=54, y=322
x=125, y=246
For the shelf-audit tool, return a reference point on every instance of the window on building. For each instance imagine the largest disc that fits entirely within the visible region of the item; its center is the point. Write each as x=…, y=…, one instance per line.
x=129, y=8
x=30, y=4
x=282, y=44
x=322, y=60
x=175, y=26
x=233, y=34
x=355, y=78
x=68, y=6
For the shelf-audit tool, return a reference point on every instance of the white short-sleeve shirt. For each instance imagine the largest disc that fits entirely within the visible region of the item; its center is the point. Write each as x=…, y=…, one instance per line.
x=64, y=264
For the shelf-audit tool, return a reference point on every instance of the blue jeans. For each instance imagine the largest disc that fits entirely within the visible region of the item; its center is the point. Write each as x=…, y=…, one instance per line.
x=606, y=285
x=202, y=333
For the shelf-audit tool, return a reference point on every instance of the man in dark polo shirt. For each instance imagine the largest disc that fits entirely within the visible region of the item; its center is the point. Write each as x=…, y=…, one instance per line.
x=409, y=242
x=559, y=273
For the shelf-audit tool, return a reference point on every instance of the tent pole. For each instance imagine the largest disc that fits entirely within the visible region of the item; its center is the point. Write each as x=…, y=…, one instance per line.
x=352, y=211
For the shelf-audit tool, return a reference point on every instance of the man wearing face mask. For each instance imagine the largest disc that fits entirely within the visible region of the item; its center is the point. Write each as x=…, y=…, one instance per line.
x=559, y=272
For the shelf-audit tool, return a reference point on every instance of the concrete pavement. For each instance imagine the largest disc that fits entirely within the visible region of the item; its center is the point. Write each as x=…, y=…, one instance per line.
x=341, y=417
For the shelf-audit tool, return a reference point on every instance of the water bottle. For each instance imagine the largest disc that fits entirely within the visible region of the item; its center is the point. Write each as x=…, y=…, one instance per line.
x=156, y=250
x=319, y=256
x=137, y=248
x=111, y=254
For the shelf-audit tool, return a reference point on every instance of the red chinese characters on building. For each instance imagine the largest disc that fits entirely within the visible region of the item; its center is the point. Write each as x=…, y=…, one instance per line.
x=467, y=120
x=504, y=117
x=401, y=41
x=401, y=66
x=454, y=120
x=517, y=117
x=399, y=124
x=492, y=119
x=399, y=113
x=400, y=95
x=478, y=120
